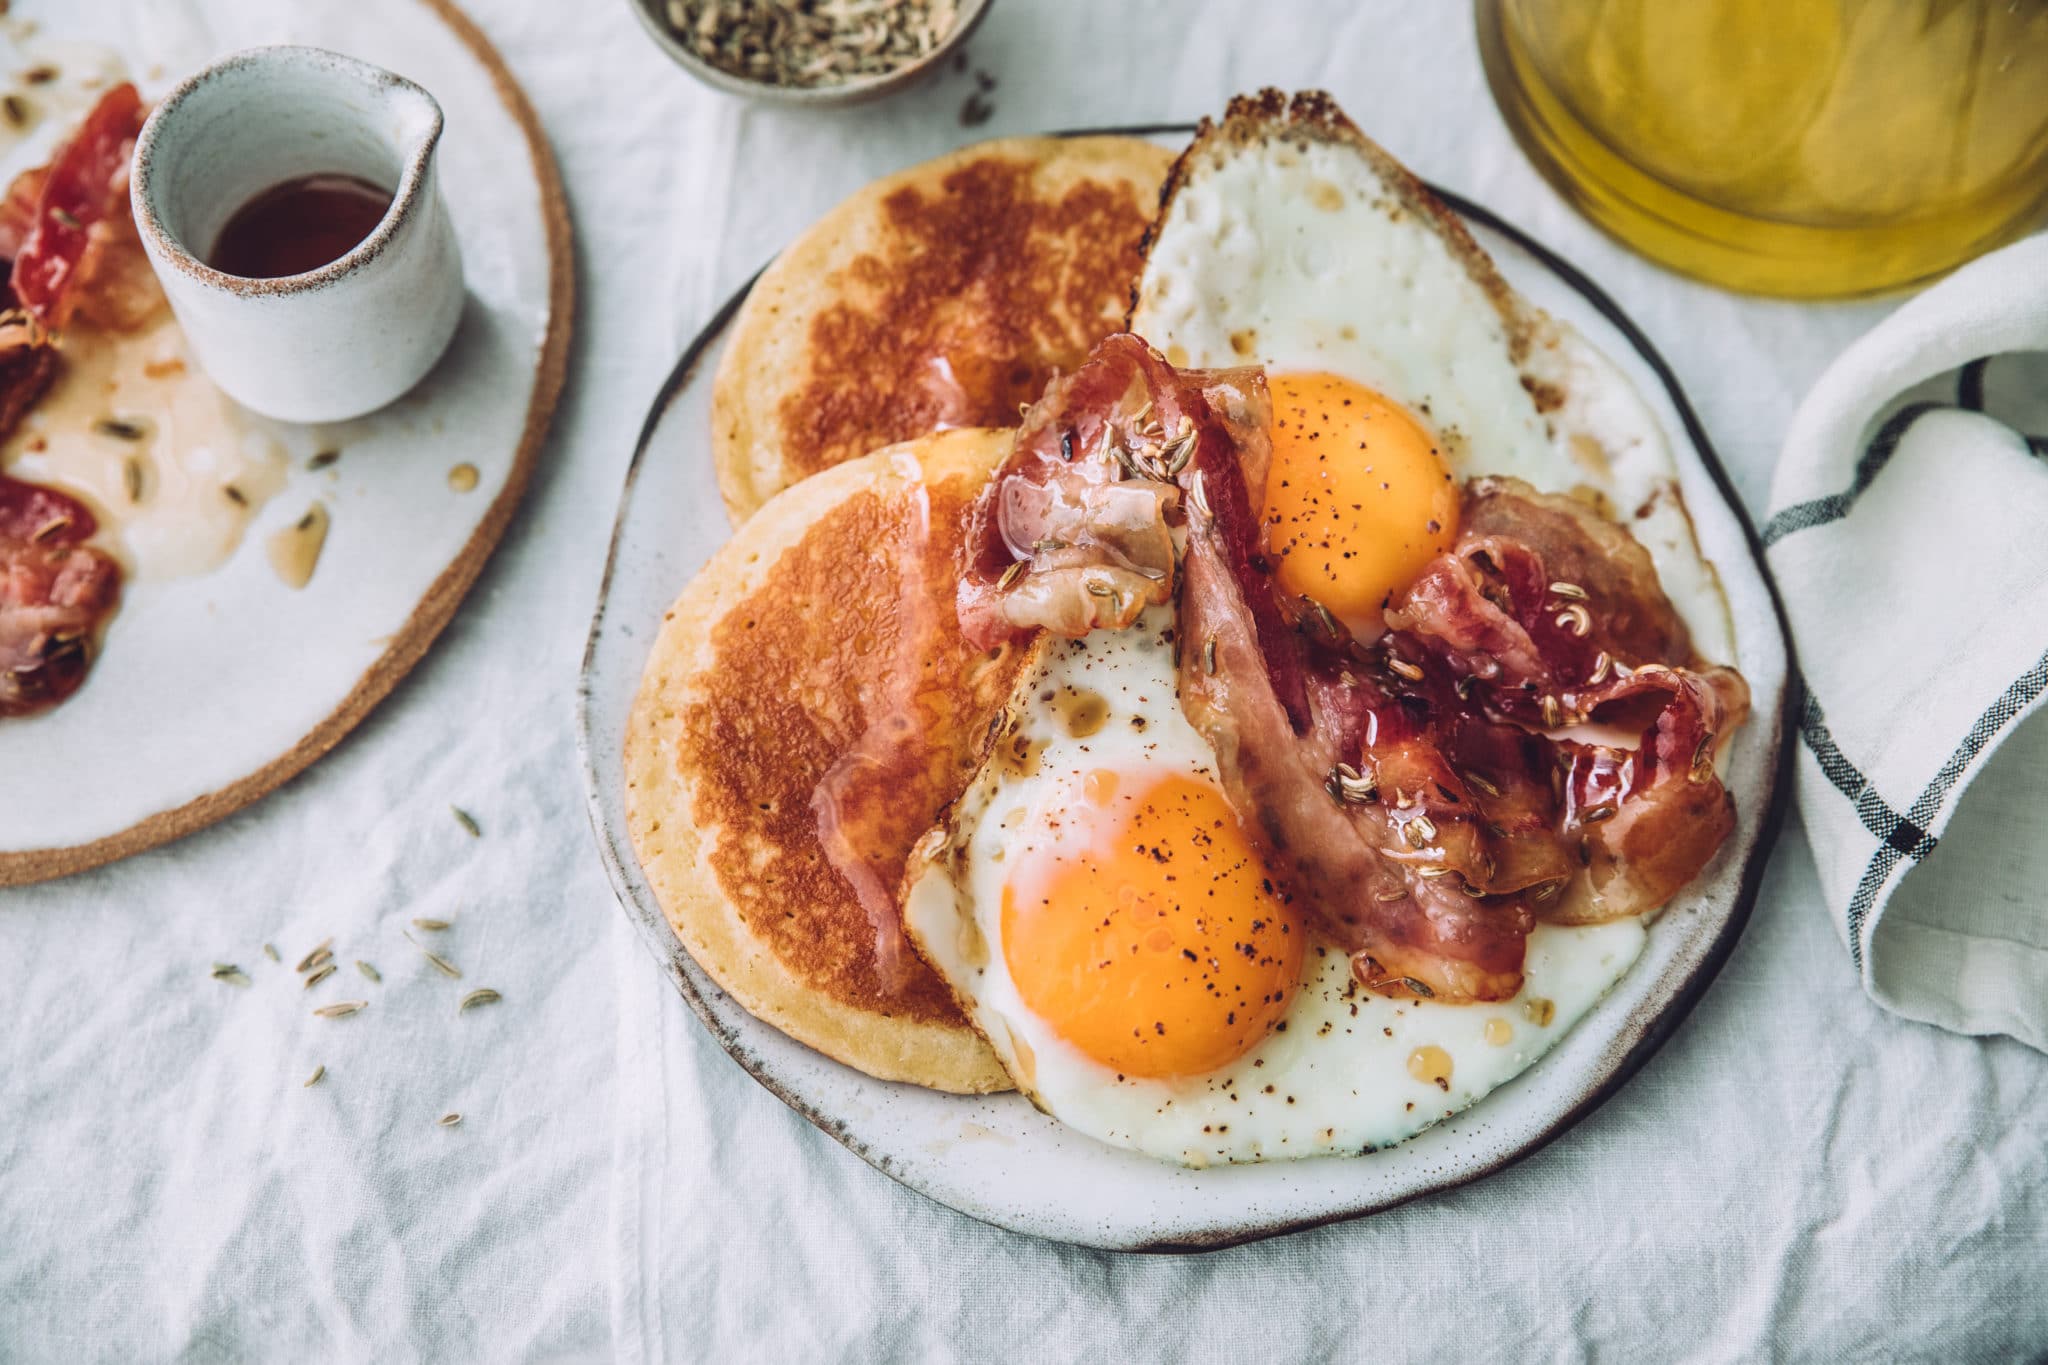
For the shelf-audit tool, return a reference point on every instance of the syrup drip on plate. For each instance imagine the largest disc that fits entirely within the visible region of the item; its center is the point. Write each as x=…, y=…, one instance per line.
x=846, y=812
x=173, y=468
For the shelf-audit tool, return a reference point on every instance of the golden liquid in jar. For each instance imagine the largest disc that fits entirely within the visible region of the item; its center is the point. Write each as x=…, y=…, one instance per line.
x=1808, y=148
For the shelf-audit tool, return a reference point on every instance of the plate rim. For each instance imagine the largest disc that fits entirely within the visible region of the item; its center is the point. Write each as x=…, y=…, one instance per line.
x=437, y=605
x=614, y=851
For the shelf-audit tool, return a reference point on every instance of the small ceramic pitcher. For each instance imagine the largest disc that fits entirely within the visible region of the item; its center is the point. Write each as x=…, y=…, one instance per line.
x=354, y=334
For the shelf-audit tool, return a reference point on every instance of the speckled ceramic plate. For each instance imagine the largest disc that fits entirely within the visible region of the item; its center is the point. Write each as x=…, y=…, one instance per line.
x=213, y=689
x=998, y=1159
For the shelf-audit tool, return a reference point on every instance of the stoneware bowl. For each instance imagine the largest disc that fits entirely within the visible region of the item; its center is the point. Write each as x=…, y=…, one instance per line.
x=331, y=343
x=653, y=15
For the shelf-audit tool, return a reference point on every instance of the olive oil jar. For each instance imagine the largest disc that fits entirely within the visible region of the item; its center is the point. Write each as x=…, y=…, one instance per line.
x=1808, y=148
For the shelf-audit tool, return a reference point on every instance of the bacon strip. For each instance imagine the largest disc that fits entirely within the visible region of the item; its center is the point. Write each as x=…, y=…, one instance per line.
x=1429, y=811
x=1412, y=927
x=76, y=249
x=1670, y=810
x=70, y=237
x=53, y=592
x=1552, y=617
x=54, y=589
x=28, y=362
x=1075, y=532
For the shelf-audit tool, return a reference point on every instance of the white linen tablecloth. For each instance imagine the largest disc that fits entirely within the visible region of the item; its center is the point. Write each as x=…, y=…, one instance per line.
x=1795, y=1174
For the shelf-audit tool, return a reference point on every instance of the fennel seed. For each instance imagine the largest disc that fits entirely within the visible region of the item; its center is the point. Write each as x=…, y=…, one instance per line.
x=441, y=964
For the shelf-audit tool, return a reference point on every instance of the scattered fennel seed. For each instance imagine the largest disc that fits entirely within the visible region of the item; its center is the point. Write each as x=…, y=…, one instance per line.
x=441, y=964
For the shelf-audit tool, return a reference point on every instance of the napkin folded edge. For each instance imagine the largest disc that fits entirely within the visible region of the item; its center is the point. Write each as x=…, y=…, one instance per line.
x=1996, y=304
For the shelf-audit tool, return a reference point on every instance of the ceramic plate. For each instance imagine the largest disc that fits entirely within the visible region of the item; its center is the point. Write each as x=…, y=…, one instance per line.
x=998, y=1159
x=213, y=689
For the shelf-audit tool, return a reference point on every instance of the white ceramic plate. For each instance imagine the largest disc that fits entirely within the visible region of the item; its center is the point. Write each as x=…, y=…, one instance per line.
x=998, y=1159
x=212, y=690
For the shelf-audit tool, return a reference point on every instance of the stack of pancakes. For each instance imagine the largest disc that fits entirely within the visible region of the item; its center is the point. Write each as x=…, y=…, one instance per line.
x=861, y=404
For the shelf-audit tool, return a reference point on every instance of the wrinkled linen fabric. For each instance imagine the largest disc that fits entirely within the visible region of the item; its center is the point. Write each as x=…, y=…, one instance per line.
x=1796, y=1173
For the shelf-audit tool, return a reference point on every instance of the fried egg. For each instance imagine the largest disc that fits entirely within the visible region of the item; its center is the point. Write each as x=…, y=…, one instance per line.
x=1098, y=907
x=1107, y=922
x=1400, y=363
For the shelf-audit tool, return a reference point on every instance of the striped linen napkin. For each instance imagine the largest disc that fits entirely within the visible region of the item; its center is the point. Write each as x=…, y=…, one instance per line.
x=1909, y=538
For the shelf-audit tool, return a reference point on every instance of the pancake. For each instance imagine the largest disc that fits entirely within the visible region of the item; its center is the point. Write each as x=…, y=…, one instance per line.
x=770, y=670
x=944, y=295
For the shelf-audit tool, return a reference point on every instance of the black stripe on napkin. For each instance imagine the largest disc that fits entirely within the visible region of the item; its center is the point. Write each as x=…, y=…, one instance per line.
x=1970, y=394
x=1996, y=717
x=1801, y=516
x=1970, y=384
x=1898, y=832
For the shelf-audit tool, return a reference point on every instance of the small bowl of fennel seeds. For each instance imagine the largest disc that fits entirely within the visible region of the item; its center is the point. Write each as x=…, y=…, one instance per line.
x=814, y=52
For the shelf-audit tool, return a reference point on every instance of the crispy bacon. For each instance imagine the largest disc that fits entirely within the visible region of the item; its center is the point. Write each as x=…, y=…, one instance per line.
x=1075, y=531
x=1227, y=494
x=1343, y=852
x=1467, y=771
x=54, y=589
x=68, y=229
x=18, y=211
x=28, y=362
x=1540, y=589
x=71, y=239
x=1670, y=811
x=1552, y=618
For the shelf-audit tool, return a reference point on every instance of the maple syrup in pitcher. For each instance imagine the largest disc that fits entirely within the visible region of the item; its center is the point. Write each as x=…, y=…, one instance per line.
x=298, y=226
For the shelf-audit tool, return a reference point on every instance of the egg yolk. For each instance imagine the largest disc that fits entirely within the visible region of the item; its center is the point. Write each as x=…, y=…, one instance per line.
x=1358, y=498
x=1153, y=943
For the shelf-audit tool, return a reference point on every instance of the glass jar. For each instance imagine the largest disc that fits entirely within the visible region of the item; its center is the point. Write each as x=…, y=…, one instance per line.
x=1799, y=147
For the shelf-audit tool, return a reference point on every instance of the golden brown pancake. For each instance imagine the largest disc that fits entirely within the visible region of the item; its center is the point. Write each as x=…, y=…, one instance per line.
x=770, y=669
x=944, y=295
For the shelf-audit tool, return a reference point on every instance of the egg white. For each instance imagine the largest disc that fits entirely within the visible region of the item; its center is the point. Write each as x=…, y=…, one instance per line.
x=1334, y=1077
